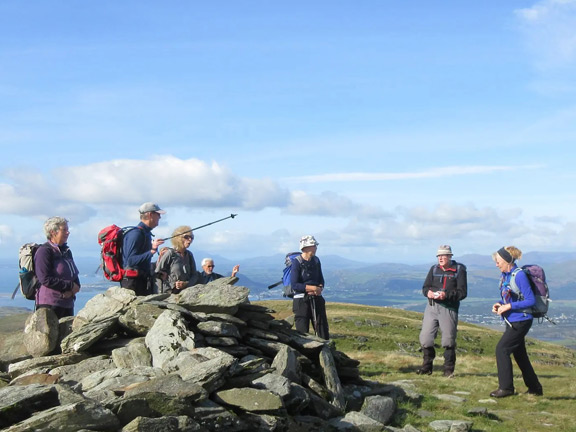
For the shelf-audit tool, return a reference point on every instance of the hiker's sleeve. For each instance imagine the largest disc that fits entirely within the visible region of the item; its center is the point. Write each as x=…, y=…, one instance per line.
x=164, y=264
x=461, y=290
x=321, y=276
x=161, y=262
x=44, y=268
x=295, y=279
x=77, y=278
x=523, y=285
x=428, y=282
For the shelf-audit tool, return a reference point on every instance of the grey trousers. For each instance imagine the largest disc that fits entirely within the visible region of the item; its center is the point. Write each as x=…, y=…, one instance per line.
x=438, y=317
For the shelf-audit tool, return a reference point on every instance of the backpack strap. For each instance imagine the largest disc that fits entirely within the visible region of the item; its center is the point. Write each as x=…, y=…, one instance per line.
x=514, y=288
x=514, y=285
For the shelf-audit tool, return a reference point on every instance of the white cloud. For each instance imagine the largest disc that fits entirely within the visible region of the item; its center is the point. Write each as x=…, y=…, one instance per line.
x=449, y=171
x=164, y=179
x=550, y=30
x=6, y=231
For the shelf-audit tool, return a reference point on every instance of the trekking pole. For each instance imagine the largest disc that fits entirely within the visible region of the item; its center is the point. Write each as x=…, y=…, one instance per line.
x=232, y=216
x=18, y=286
x=314, y=316
x=274, y=285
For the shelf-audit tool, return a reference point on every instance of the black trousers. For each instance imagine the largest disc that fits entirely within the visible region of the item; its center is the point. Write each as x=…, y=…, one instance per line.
x=141, y=285
x=513, y=342
x=311, y=309
x=59, y=311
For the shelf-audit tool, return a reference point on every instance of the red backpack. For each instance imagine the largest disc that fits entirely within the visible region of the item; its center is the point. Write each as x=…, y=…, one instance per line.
x=110, y=239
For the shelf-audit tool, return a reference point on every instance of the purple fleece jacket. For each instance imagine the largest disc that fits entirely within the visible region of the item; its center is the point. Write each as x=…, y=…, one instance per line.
x=57, y=272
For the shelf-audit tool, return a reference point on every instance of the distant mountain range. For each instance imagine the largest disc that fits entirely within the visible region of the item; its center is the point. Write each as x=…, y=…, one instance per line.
x=393, y=285
x=346, y=278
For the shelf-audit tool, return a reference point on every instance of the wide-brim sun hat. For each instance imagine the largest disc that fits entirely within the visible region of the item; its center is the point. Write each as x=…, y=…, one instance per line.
x=444, y=250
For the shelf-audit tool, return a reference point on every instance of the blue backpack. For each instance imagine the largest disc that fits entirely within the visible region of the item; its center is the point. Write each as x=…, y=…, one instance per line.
x=286, y=274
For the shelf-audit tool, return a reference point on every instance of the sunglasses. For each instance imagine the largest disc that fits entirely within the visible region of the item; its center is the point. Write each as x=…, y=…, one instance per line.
x=187, y=237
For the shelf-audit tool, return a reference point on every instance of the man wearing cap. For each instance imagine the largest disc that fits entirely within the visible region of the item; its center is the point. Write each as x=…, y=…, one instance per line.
x=138, y=248
x=445, y=286
x=307, y=281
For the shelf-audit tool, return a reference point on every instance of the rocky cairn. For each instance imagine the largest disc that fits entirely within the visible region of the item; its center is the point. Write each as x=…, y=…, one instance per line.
x=203, y=360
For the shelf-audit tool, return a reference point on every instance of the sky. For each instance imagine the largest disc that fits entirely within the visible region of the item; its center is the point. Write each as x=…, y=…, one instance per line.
x=383, y=128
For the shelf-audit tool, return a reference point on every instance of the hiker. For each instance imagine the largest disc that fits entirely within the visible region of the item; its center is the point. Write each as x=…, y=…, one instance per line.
x=445, y=286
x=56, y=270
x=138, y=248
x=511, y=309
x=208, y=274
x=307, y=281
x=176, y=267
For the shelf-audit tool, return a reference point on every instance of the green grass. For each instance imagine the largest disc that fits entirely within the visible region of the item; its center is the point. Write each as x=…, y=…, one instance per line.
x=385, y=341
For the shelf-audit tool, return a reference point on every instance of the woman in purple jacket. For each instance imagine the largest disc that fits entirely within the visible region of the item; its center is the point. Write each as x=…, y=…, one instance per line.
x=56, y=271
x=514, y=307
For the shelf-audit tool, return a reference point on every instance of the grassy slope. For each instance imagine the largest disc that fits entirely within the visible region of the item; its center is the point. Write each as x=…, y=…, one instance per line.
x=385, y=340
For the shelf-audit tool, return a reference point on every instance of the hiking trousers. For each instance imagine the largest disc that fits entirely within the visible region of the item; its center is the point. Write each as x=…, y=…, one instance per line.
x=311, y=309
x=438, y=317
x=141, y=285
x=513, y=342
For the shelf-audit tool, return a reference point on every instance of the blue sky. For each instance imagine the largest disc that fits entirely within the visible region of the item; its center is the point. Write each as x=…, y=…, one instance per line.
x=384, y=128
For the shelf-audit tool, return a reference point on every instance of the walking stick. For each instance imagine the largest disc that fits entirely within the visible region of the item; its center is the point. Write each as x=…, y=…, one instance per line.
x=232, y=216
x=314, y=316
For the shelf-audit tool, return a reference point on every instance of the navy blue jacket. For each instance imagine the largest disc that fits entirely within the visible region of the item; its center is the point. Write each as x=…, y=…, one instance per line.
x=307, y=273
x=136, y=249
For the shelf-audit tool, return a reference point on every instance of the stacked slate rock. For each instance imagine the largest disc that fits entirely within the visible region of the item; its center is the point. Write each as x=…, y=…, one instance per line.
x=203, y=360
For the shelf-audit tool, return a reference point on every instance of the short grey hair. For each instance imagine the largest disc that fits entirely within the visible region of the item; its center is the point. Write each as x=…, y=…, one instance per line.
x=206, y=261
x=53, y=225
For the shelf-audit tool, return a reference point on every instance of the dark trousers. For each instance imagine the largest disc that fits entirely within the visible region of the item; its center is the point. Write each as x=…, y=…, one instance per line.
x=141, y=285
x=311, y=309
x=59, y=311
x=513, y=342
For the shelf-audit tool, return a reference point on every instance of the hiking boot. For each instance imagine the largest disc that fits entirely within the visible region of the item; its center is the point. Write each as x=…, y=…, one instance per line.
x=536, y=391
x=501, y=393
x=448, y=373
x=427, y=361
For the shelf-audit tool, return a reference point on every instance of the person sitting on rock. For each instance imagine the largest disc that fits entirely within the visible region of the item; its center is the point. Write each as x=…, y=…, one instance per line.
x=208, y=274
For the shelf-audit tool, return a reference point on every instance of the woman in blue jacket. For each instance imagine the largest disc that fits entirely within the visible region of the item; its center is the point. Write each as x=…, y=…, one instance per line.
x=514, y=307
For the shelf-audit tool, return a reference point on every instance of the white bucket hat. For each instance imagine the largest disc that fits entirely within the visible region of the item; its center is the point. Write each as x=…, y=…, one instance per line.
x=308, y=240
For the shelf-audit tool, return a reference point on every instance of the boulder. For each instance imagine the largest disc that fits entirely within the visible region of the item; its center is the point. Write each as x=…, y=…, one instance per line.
x=140, y=317
x=19, y=402
x=168, y=336
x=286, y=364
x=111, y=303
x=379, y=408
x=70, y=418
x=331, y=378
x=215, y=297
x=44, y=364
x=250, y=399
x=133, y=355
x=83, y=338
x=41, y=332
